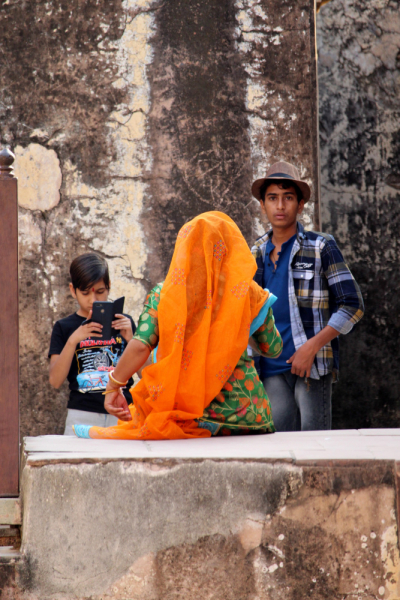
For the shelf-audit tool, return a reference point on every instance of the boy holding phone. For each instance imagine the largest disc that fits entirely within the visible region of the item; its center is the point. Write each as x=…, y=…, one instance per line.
x=77, y=351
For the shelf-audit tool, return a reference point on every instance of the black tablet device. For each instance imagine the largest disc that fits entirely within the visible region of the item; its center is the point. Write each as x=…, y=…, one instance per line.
x=104, y=313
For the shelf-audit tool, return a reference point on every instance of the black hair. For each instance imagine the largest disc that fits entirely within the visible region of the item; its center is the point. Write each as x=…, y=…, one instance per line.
x=284, y=184
x=87, y=269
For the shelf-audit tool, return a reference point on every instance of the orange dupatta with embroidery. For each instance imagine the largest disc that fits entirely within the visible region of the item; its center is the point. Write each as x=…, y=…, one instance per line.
x=207, y=304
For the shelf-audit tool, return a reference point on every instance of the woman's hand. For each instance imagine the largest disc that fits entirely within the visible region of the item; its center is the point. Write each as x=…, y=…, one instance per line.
x=133, y=357
x=115, y=403
x=124, y=326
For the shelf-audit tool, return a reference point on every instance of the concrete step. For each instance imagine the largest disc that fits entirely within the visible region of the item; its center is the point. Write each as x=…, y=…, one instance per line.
x=10, y=536
x=10, y=511
x=9, y=555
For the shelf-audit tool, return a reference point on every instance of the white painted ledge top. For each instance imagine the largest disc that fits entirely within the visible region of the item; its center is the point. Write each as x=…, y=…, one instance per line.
x=360, y=444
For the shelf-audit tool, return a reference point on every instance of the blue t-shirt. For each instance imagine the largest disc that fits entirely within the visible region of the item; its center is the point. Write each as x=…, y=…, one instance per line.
x=276, y=281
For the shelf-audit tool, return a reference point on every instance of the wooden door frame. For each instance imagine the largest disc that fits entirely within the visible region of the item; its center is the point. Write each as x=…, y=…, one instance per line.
x=9, y=334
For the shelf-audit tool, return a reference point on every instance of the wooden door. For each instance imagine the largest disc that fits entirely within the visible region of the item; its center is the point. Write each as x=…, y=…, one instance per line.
x=9, y=347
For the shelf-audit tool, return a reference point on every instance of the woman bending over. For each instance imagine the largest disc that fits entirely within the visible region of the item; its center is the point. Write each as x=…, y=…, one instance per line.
x=199, y=320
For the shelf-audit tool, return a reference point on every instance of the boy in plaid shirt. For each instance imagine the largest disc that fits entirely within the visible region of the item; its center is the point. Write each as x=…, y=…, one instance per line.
x=318, y=299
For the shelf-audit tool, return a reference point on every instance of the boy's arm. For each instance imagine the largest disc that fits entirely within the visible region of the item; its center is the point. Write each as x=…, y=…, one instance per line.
x=303, y=359
x=135, y=355
x=60, y=364
x=343, y=288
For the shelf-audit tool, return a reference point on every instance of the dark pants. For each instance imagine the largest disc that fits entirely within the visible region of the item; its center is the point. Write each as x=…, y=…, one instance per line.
x=298, y=404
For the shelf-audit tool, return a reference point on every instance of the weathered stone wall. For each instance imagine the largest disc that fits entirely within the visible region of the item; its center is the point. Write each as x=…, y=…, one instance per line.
x=359, y=88
x=129, y=117
x=189, y=529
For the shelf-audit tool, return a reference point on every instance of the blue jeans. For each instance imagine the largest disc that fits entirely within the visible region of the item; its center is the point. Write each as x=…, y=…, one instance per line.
x=300, y=405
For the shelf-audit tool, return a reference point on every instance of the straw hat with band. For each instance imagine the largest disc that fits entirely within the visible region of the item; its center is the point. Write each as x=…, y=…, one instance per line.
x=282, y=170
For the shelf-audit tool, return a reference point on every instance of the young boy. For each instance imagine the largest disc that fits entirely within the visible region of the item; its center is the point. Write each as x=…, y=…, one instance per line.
x=76, y=354
x=318, y=299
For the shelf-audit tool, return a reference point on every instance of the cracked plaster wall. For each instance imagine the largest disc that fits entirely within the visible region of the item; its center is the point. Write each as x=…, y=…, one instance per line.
x=129, y=117
x=359, y=88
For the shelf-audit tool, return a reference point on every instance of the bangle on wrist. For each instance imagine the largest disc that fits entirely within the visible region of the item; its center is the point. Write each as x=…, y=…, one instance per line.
x=118, y=383
x=118, y=389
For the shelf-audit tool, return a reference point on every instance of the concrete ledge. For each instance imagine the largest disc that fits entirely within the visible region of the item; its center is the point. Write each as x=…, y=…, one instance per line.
x=10, y=511
x=277, y=517
x=363, y=444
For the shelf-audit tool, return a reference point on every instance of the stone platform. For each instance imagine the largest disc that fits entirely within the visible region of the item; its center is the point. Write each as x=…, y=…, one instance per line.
x=274, y=517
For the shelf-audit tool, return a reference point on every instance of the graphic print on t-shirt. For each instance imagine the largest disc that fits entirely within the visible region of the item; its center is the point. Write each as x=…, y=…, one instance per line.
x=95, y=359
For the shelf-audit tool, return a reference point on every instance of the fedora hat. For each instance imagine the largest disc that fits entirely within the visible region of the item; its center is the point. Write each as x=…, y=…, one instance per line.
x=282, y=170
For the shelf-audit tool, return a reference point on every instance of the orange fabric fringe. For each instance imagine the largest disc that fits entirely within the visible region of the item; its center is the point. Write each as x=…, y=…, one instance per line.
x=207, y=304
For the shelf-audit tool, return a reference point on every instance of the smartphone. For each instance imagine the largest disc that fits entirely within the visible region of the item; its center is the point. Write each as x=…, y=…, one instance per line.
x=102, y=312
x=118, y=308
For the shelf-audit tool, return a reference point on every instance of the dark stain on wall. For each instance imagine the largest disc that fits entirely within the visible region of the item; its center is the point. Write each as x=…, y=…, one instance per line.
x=7, y=581
x=57, y=69
x=198, y=125
x=347, y=476
x=368, y=391
x=199, y=121
x=305, y=549
x=213, y=567
x=317, y=558
x=360, y=178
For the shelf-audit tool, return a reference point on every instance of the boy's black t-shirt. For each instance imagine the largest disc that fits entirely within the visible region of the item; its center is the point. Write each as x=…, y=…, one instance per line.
x=93, y=359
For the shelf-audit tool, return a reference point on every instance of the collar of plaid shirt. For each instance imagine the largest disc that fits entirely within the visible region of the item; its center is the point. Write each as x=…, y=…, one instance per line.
x=261, y=243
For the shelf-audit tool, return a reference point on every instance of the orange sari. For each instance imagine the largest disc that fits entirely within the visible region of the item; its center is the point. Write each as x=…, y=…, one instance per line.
x=207, y=304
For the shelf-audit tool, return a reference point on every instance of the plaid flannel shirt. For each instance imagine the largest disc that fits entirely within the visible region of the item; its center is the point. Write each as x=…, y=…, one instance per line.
x=322, y=291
